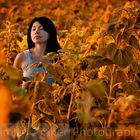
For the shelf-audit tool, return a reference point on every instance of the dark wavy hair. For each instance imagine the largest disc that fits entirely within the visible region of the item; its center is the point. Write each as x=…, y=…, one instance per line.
x=52, y=44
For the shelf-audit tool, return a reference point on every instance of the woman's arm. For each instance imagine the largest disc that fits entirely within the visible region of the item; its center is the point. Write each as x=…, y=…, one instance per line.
x=19, y=61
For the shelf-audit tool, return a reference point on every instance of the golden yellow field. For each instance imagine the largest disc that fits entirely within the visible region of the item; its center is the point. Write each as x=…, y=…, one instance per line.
x=97, y=89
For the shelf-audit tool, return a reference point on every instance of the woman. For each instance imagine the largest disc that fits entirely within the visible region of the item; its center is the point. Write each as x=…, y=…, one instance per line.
x=41, y=39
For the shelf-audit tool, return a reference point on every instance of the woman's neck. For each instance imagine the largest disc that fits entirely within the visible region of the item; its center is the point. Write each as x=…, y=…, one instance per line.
x=39, y=50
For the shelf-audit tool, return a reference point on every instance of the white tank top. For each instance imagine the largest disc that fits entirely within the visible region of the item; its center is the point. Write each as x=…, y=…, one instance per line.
x=28, y=72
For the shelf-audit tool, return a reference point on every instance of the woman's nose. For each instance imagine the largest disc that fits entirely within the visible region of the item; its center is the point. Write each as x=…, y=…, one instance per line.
x=37, y=31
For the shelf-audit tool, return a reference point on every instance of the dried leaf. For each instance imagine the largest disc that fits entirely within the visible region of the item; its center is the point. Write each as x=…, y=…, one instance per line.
x=111, y=49
x=111, y=28
x=122, y=57
x=134, y=42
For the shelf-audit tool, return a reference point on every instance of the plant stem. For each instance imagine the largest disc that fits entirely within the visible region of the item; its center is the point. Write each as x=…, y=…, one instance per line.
x=110, y=94
x=111, y=82
x=28, y=127
x=71, y=99
x=110, y=118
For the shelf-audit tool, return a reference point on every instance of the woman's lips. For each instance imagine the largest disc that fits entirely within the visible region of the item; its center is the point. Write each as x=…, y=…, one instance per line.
x=37, y=37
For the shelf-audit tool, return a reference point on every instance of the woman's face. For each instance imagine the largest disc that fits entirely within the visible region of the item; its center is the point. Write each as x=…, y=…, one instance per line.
x=38, y=34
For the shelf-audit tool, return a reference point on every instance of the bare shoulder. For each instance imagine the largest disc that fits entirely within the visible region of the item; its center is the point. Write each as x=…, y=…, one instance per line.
x=19, y=61
x=21, y=56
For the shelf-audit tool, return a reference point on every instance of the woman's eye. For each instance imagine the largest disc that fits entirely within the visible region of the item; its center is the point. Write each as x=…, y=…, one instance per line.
x=41, y=28
x=33, y=29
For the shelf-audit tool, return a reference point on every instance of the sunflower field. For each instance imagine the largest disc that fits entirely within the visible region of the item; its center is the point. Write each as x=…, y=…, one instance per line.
x=96, y=93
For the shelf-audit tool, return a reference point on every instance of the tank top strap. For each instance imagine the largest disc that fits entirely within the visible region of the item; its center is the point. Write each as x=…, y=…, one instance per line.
x=28, y=58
